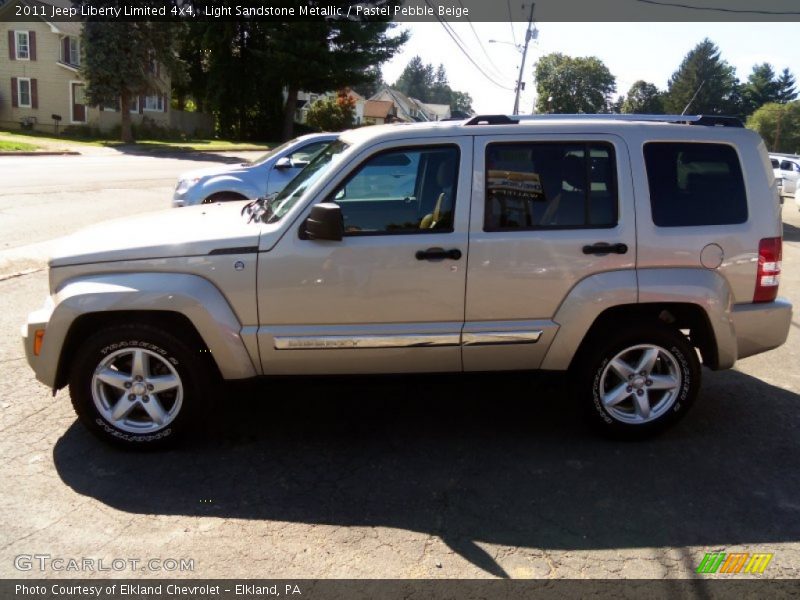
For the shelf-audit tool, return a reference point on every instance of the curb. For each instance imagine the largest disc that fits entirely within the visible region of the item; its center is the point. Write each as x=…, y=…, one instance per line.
x=46, y=153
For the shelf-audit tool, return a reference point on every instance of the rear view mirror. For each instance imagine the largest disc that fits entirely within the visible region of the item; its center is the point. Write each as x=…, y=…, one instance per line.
x=325, y=222
x=284, y=163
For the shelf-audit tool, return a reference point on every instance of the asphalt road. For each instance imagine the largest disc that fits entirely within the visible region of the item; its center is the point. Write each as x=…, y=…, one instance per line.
x=439, y=477
x=50, y=196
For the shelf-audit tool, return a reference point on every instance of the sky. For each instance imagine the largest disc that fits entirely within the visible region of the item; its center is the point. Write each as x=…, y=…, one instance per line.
x=631, y=51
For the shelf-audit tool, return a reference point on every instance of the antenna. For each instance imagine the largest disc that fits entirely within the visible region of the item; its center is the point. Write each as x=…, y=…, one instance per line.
x=700, y=87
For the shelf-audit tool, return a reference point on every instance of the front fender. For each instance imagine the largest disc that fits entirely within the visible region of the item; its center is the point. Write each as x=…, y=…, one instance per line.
x=224, y=183
x=189, y=295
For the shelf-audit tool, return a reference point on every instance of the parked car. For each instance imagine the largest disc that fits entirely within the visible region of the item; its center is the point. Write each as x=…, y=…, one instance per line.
x=619, y=248
x=788, y=171
x=776, y=169
x=266, y=175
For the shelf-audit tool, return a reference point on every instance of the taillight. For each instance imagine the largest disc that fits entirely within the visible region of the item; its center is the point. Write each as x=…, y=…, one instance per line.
x=769, y=269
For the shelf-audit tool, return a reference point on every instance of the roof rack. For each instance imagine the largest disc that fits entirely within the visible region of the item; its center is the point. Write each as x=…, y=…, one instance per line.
x=705, y=120
x=492, y=120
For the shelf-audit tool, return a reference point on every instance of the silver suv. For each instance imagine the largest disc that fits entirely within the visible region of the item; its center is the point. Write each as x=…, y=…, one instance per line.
x=626, y=250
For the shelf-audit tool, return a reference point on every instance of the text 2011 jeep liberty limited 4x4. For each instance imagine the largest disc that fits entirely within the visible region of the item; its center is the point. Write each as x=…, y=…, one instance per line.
x=626, y=249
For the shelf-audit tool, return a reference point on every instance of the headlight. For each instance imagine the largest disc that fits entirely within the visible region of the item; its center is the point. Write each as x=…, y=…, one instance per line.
x=185, y=184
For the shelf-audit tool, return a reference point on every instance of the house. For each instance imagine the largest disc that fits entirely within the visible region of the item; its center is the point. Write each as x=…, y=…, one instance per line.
x=410, y=109
x=378, y=112
x=306, y=99
x=41, y=87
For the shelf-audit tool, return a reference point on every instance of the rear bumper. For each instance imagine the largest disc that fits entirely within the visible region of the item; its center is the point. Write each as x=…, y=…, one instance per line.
x=761, y=327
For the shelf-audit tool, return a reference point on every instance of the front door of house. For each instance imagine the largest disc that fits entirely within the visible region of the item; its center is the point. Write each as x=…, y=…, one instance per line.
x=78, y=103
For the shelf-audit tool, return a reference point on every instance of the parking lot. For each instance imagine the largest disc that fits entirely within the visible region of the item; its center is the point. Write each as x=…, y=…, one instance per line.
x=397, y=477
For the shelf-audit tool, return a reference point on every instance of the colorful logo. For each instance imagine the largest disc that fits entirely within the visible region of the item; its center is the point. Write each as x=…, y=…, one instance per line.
x=734, y=562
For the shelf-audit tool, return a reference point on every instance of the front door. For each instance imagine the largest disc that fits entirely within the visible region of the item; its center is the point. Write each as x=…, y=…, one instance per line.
x=279, y=177
x=388, y=297
x=790, y=172
x=78, y=103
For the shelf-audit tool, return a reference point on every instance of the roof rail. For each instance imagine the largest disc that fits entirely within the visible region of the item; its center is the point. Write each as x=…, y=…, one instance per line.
x=705, y=120
x=492, y=120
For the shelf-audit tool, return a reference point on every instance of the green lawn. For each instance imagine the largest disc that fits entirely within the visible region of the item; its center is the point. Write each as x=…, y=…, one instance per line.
x=155, y=145
x=8, y=146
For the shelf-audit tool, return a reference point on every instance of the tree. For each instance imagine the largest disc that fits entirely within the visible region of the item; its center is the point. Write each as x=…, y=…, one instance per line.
x=461, y=102
x=372, y=85
x=779, y=125
x=318, y=56
x=124, y=60
x=566, y=84
x=705, y=74
x=643, y=98
x=423, y=82
x=332, y=114
x=416, y=80
x=761, y=88
x=786, y=87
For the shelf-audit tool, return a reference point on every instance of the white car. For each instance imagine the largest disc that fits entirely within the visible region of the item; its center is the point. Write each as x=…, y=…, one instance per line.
x=247, y=181
x=788, y=171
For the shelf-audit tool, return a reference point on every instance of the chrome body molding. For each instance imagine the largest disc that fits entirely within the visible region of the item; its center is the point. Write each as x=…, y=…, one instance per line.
x=422, y=340
x=339, y=342
x=494, y=338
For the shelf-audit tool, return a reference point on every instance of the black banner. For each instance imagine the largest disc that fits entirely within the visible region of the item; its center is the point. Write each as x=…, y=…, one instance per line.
x=402, y=10
x=344, y=589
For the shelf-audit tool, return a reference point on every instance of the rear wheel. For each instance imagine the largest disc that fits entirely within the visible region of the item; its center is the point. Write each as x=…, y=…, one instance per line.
x=640, y=381
x=136, y=386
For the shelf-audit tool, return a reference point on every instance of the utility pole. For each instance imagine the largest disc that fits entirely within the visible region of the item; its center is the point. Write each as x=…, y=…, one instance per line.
x=528, y=36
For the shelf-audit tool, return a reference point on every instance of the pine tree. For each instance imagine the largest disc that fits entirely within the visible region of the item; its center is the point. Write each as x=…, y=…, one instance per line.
x=786, y=87
x=704, y=83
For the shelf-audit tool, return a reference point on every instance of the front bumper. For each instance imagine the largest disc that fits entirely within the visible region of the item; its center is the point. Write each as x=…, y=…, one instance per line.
x=761, y=327
x=38, y=320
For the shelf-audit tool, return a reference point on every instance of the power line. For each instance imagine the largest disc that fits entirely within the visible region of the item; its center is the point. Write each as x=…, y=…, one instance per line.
x=511, y=22
x=497, y=70
x=716, y=9
x=453, y=36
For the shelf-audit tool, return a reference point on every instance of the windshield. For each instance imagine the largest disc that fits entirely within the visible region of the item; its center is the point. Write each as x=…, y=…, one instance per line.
x=289, y=196
x=272, y=152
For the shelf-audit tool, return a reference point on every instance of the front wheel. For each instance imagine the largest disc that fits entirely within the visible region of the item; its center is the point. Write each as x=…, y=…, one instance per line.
x=640, y=382
x=136, y=386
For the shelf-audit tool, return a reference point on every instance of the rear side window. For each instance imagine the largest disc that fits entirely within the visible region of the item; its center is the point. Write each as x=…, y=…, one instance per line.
x=562, y=185
x=695, y=184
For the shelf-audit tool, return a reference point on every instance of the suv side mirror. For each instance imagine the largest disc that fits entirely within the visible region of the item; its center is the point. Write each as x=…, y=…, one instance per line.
x=325, y=222
x=284, y=163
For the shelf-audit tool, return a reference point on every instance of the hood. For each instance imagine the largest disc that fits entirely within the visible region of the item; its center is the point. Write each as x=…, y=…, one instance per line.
x=190, y=231
x=214, y=171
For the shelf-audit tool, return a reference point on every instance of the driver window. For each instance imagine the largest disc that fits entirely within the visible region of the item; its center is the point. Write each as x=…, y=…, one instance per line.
x=303, y=156
x=401, y=191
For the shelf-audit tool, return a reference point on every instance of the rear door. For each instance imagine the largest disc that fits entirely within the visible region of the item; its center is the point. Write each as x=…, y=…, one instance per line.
x=547, y=211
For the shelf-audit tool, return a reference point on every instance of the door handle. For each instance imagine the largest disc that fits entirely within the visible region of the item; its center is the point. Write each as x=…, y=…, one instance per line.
x=438, y=254
x=605, y=248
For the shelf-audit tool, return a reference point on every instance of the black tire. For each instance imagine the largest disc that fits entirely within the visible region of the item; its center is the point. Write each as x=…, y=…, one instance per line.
x=597, y=378
x=223, y=197
x=166, y=356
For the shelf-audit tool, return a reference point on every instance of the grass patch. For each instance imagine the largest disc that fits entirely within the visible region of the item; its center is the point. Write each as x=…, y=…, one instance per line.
x=13, y=146
x=145, y=144
x=197, y=146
